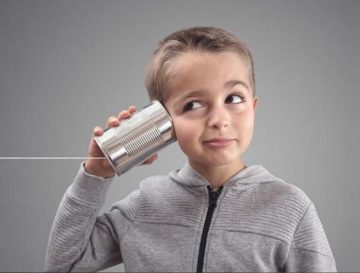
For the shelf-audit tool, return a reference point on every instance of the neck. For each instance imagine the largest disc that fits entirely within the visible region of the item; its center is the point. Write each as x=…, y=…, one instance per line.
x=217, y=175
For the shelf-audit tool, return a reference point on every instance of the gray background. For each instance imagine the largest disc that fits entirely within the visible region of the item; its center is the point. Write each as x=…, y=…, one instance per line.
x=65, y=66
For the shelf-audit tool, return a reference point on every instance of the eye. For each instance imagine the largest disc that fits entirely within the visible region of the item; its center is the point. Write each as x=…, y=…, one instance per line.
x=234, y=99
x=192, y=105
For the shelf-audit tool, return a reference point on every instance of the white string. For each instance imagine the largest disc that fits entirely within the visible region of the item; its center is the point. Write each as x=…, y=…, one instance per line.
x=50, y=157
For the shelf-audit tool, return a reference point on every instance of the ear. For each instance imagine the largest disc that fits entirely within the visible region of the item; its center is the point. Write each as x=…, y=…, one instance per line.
x=255, y=102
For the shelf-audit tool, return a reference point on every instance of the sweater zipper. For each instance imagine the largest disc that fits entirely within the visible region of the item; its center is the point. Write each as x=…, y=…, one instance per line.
x=213, y=196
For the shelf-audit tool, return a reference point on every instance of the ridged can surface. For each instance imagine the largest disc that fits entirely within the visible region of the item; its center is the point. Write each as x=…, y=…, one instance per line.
x=137, y=138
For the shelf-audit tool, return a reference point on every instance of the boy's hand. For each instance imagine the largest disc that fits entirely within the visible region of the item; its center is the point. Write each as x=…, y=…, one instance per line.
x=101, y=167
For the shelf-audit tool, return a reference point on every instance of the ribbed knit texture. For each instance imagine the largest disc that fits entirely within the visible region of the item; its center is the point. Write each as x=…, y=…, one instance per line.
x=261, y=223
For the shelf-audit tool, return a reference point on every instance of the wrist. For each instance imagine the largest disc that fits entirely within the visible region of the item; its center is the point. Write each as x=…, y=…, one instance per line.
x=94, y=170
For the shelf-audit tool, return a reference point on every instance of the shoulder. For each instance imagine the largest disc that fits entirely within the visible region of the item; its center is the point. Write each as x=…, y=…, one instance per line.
x=164, y=201
x=280, y=191
x=288, y=199
x=156, y=182
x=285, y=191
x=287, y=204
x=267, y=189
x=159, y=189
x=150, y=188
x=277, y=207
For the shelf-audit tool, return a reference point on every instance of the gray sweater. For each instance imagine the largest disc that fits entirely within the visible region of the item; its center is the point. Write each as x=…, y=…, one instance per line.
x=256, y=222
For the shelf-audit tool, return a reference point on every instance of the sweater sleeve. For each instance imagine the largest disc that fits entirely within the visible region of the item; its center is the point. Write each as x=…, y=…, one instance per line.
x=82, y=240
x=310, y=250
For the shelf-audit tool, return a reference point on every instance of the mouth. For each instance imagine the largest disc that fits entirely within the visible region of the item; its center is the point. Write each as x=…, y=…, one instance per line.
x=219, y=142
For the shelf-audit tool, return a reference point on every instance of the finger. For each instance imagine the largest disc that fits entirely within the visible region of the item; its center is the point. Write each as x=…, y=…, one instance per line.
x=150, y=159
x=98, y=131
x=132, y=109
x=124, y=115
x=112, y=122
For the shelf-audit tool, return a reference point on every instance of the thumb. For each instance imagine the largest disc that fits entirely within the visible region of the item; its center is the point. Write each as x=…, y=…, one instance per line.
x=150, y=159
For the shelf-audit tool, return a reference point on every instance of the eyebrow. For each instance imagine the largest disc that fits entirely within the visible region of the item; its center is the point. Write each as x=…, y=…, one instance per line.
x=236, y=82
x=194, y=93
x=228, y=84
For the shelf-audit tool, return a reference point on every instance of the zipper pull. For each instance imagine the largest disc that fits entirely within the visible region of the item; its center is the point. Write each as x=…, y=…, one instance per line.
x=213, y=196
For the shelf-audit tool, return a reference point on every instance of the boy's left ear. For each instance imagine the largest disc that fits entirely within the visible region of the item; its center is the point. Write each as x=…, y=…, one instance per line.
x=255, y=102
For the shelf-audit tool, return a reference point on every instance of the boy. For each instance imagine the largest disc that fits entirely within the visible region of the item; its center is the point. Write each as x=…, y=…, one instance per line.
x=215, y=213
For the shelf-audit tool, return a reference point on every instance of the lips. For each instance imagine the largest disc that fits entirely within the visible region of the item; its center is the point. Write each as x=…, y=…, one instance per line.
x=219, y=142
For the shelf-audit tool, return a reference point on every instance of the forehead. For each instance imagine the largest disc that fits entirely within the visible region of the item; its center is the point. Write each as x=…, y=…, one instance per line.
x=190, y=59
x=203, y=70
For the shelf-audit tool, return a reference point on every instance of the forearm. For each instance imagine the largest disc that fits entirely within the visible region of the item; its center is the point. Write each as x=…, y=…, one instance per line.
x=74, y=223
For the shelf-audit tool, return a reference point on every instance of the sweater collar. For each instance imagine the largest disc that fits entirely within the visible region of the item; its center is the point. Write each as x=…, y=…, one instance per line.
x=252, y=174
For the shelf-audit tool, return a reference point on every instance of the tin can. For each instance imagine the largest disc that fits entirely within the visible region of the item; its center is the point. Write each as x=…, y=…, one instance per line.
x=137, y=138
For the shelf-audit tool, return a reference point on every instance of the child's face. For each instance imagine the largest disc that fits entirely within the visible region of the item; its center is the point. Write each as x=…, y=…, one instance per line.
x=212, y=107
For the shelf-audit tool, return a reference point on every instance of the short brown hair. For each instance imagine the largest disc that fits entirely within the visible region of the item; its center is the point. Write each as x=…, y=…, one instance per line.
x=201, y=39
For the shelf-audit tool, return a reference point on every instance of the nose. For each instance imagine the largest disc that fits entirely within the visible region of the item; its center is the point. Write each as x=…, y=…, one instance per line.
x=218, y=117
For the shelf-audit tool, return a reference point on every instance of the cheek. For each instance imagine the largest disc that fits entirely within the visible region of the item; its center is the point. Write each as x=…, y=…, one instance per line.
x=245, y=124
x=184, y=130
x=184, y=136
